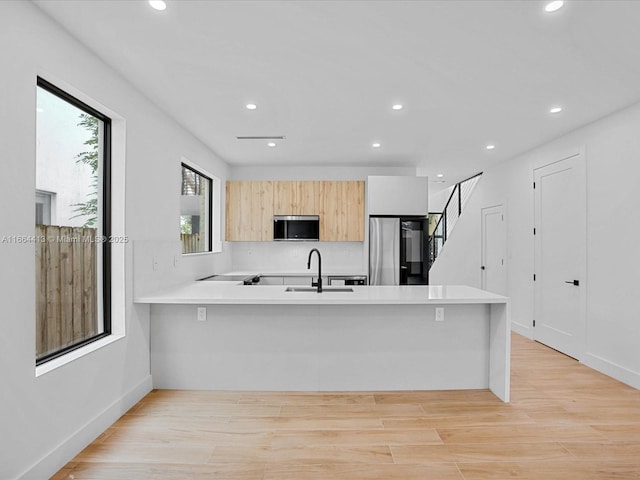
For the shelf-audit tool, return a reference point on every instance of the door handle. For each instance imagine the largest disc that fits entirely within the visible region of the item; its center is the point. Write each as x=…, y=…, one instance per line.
x=482, y=267
x=574, y=282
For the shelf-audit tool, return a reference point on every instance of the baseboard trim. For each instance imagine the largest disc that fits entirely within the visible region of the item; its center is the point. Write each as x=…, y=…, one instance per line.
x=620, y=373
x=521, y=329
x=69, y=448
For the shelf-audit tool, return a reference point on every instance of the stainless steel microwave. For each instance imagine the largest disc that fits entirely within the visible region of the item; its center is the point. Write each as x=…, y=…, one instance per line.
x=296, y=228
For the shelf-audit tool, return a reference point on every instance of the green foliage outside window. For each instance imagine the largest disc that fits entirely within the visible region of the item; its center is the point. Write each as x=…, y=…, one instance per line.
x=90, y=157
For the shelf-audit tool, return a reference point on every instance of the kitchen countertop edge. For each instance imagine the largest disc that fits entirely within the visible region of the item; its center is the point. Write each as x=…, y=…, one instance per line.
x=234, y=293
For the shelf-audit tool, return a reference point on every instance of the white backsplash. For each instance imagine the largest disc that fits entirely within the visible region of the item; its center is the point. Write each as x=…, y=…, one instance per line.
x=342, y=257
x=159, y=264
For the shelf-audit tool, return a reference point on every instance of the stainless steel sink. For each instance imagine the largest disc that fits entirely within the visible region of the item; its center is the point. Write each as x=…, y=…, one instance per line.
x=314, y=289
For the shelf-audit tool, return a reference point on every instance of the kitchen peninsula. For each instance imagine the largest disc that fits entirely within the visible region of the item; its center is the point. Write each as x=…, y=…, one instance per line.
x=371, y=338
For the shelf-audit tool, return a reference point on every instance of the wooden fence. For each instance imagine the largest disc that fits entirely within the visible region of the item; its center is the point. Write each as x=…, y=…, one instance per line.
x=66, y=287
x=191, y=243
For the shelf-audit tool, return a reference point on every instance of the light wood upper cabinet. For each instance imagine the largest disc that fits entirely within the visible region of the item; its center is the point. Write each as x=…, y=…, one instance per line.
x=330, y=211
x=251, y=205
x=262, y=211
x=308, y=199
x=233, y=211
x=249, y=211
x=293, y=197
x=284, y=198
x=342, y=213
x=354, y=195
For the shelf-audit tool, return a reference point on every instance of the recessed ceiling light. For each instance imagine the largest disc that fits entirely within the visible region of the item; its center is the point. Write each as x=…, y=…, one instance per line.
x=376, y=145
x=555, y=109
x=271, y=144
x=251, y=106
x=397, y=106
x=158, y=4
x=440, y=175
x=554, y=6
x=490, y=147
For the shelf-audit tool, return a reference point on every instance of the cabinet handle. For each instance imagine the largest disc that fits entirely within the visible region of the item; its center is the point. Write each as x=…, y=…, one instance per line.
x=574, y=282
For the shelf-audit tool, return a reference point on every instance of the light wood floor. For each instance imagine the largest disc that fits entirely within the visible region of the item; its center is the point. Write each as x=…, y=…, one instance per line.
x=565, y=421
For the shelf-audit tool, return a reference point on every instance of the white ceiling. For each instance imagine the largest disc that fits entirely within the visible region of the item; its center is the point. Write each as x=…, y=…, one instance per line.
x=325, y=73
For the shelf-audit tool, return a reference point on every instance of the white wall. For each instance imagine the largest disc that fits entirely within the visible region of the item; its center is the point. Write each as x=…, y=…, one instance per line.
x=348, y=257
x=45, y=420
x=612, y=147
x=438, y=200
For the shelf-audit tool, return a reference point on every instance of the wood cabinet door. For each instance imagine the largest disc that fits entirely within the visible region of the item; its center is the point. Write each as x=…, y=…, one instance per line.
x=342, y=213
x=284, y=198
x=308, y=200
x=295, y=197
x=233, y=211
x=353, y=197
x=261, y=217
x=249, y=211
x=332, y=211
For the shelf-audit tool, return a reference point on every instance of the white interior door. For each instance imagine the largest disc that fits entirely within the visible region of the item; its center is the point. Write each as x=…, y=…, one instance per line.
x=494, y=250
x=560, y=255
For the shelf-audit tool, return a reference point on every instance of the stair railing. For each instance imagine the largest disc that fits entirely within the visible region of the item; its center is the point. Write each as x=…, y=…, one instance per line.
x=450, y=215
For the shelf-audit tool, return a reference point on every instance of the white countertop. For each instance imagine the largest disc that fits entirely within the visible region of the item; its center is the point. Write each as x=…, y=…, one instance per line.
x=234, y=293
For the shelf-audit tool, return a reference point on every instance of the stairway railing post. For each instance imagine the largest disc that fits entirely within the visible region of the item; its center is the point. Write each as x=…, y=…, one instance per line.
x=444, y=226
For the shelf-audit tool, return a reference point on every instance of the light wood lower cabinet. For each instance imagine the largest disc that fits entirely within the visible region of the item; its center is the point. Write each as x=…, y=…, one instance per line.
x=250, y=206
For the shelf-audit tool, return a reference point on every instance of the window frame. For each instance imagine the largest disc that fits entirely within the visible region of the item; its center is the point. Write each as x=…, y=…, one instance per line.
x=208, y=177
x=106, y=199
x=47, y=200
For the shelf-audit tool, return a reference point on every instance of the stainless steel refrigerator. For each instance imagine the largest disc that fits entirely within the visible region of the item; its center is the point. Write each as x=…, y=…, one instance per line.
x=398, y=251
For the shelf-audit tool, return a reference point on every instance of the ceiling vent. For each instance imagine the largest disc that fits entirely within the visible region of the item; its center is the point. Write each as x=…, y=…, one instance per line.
x=273, y=137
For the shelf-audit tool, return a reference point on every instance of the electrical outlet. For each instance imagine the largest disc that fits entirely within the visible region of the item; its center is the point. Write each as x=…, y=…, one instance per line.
x=176, y=261
x=202, y=314
x=155, y=264
x=439, y=314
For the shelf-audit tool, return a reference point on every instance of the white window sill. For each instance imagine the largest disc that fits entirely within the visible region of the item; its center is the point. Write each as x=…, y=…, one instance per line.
x=75, y=354
x=198, y=254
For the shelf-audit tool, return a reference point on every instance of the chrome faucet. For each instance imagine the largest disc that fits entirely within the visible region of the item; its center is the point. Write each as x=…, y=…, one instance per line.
x=319, y=284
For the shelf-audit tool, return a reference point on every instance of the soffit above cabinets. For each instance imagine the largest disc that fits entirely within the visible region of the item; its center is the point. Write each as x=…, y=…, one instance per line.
x=398, y=195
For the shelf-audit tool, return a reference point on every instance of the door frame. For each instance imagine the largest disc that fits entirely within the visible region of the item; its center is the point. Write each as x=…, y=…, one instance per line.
x=502, y=209
x=581, y=170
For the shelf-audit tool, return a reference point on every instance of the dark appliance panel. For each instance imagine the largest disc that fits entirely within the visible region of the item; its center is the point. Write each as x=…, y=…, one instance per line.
x=413, y=244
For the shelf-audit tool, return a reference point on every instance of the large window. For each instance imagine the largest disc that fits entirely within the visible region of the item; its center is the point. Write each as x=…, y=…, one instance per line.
x=195, y=211
x=72, y=217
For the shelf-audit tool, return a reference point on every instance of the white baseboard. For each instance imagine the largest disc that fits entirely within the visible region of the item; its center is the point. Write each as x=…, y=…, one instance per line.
x=599, y=364
x=69, y=448
x=613, y=370
x=521, y=329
